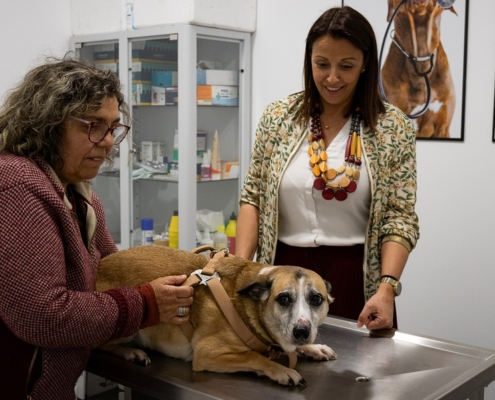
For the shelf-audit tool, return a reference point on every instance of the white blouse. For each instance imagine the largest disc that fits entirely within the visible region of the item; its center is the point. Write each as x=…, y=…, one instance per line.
x=306, y=219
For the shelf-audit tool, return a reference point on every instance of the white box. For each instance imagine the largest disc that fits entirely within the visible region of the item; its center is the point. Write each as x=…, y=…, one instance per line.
x=146, y=151
x=97, y=16
x=217, y=77
x=157, y=96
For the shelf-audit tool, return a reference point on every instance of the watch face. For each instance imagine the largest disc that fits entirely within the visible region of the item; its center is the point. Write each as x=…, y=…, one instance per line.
x=398, y=288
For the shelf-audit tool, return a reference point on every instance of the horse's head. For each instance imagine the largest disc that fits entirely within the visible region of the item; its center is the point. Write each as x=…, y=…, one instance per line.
x=417, y=24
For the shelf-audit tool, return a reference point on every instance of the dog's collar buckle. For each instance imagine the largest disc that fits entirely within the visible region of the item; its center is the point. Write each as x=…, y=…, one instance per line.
x=205, y=278
x=225, y=251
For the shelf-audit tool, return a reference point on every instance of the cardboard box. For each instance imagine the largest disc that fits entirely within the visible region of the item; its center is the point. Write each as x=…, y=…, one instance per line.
x=105, y=66
x=141, y=94
x=217, y=77
x=164, y=78
x=171, y=96
x=152, y=151
x=230, y=169
x=157, y=96
x=201, y=137
x=203, y=95
x=142, y=72
x=218, y=95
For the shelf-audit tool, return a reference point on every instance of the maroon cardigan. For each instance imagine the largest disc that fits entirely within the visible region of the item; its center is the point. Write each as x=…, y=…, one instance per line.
x=49, y=313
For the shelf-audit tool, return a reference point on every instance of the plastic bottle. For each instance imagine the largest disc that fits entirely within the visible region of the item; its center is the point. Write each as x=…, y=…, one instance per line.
x=146, y=231
x=206, y=240
x=220, y=238
x=162, y=239
x=205, y=168
x=230, y=231
x=173, y=231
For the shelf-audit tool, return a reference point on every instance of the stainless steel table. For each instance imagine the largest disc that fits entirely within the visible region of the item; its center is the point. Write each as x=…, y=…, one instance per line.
x=390, y=365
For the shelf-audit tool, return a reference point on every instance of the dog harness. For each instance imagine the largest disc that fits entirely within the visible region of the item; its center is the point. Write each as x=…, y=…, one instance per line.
x=209, y=277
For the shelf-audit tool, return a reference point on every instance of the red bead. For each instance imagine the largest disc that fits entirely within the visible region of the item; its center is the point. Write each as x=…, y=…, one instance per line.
x=351, y=159
x=328, y=194
x=341, y=195
x=351, y=187
x=319, y=183
x=358, y=161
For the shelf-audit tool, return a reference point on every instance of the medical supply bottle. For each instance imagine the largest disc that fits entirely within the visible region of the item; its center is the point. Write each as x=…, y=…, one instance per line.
x=206, y=240
x=205, y=168
x=220, y=238
x=146, y=231
x=173, y=231
x=230, y=231
x=162, y=239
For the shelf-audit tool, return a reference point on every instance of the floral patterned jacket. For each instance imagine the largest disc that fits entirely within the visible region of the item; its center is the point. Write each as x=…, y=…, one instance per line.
x=389, y=154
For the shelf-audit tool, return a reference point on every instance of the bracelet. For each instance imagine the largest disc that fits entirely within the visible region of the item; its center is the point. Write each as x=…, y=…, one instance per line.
x=389, y=276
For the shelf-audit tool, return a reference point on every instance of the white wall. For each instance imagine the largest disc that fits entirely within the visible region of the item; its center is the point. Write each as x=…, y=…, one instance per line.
x=449, y=289
x=449, y=281
x=29, y=30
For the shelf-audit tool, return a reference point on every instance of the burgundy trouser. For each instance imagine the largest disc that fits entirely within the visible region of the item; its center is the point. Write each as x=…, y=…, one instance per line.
x=342, y=266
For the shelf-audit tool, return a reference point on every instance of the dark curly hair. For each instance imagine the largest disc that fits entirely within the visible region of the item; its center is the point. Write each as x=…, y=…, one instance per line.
x=33, y=114
x=346, y=23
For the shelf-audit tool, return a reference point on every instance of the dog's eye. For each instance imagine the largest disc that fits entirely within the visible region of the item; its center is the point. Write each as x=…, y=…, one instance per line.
x=316, y=300
x=283, y=300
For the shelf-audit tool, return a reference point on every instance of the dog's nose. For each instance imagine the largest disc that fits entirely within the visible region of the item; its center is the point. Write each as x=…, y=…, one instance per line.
x=301, y=333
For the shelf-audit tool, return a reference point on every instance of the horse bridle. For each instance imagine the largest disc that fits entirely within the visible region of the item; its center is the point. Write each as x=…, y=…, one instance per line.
x=411, y=58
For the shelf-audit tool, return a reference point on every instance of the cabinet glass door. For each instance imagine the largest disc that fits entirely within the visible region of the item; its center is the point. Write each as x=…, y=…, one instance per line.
x=105, y=55
x=154, y=94
x=218, y=121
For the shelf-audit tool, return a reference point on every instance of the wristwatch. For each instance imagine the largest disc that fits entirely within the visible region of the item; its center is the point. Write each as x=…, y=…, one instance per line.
x=394, y=282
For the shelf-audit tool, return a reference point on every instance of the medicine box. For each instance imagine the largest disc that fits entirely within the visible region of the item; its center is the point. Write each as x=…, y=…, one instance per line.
x=142, y=72
x=201, y=137
x=217, y=77
x=218, y=95
x=171, y=96
x=152, y=151
x=141, y=94
x=157, y=96
x=164, y=78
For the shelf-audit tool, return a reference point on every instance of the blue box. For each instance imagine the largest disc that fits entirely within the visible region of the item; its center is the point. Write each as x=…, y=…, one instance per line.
x=164, y=78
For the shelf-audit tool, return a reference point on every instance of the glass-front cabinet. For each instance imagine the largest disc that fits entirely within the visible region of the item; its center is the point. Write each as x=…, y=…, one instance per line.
x=188, y=90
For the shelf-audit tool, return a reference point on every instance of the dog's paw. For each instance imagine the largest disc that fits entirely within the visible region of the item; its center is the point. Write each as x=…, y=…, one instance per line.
x=317, y=352
x=287, y=377
x=136, y=356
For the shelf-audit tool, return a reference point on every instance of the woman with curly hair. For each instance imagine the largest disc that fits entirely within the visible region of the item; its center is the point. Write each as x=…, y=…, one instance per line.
x=56, y=129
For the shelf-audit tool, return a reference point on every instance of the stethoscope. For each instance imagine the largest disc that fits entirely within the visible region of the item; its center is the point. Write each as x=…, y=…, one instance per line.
x=414, y=60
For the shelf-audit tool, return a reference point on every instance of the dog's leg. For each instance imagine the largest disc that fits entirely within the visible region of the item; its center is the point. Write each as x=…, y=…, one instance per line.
x=127, y=353
x=246, y=361
x=317, y=352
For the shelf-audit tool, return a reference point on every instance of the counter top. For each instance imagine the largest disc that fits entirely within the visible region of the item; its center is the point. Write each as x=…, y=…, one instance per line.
x=384, y=366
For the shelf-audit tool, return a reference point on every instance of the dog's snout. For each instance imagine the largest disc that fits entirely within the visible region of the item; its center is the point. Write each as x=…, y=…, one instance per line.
x=301, y=333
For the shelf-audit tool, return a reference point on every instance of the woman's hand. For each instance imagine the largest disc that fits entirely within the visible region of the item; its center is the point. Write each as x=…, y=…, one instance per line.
x=378, y=312
x=170, y=296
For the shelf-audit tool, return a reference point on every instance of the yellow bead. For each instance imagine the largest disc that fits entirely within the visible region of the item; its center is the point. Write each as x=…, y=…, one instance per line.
x=316, y=170
x=353, y=144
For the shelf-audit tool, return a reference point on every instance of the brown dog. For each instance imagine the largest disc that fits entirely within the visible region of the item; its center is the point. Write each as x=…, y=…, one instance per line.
x=417, y=33
x=281, y=305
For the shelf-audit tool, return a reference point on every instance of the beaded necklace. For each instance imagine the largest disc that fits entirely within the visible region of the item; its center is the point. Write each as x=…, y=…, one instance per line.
x=325, y=177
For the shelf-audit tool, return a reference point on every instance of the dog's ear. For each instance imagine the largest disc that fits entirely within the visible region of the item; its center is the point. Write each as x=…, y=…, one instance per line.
x=329, y=289
x=259, y=291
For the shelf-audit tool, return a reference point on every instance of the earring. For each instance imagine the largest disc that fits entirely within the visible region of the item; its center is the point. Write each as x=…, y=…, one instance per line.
x=364, y=69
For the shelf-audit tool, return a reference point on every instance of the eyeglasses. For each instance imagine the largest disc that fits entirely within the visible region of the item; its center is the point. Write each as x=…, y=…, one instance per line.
x=97, y=131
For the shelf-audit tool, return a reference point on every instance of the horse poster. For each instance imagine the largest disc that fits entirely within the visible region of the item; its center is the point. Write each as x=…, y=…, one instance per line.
x=422, y=48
